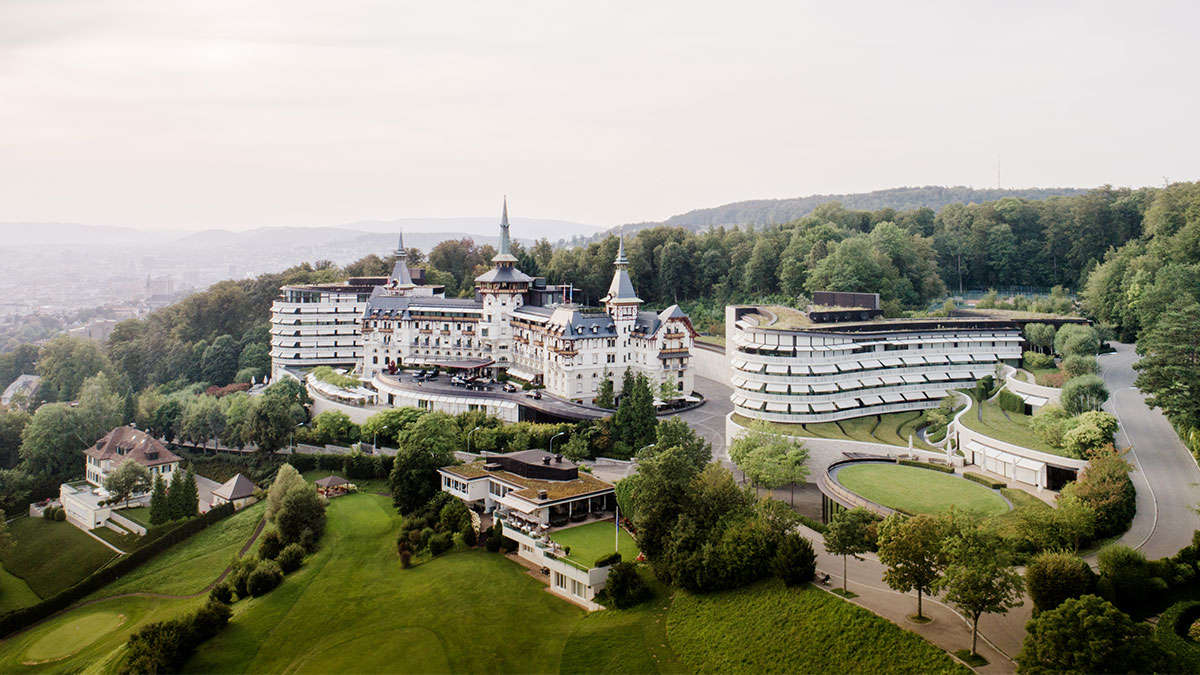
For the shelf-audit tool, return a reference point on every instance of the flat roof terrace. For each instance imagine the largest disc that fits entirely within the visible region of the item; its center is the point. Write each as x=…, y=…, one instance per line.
x=781, y=318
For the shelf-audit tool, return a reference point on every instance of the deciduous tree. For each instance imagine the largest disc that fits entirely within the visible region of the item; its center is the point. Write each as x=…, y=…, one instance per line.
x=912, y=550
x=127, y=479
x=848, y=534
x=979, y=577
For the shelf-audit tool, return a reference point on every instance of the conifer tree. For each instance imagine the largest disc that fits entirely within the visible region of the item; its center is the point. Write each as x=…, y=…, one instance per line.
x=160, y=509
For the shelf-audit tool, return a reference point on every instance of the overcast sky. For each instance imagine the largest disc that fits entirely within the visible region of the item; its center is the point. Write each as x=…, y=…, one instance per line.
x=181, y=114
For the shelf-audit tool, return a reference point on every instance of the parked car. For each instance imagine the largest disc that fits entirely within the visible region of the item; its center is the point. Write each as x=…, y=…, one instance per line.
x=509, y=387
x=457, y=381
x=534, y=394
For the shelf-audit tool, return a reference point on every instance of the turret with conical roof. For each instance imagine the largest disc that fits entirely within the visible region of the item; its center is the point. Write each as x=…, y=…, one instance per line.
x=620, y=291
x=505, y=255
x=401, y=277
x=503, y=271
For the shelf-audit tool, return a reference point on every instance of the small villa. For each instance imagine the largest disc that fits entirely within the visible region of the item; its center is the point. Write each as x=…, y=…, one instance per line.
x=535, y=494
x=238, y=490
x=85, y=502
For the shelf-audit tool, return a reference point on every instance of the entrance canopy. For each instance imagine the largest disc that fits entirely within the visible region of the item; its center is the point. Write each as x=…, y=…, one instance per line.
x=455, y=364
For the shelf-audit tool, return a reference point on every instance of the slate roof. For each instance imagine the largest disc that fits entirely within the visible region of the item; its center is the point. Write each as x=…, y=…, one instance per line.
x=384, y=305
x=25, y=383
x=238, y=487
x=504, y=275
x=621, y=288
x=128, y=443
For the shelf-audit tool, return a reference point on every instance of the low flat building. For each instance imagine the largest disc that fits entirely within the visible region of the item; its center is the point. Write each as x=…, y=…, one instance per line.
x=532, y=494
x=840, y=359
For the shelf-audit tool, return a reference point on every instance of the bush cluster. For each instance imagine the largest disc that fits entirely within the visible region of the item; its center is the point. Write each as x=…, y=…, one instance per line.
x=926, y=465
x=163, y=647
x=1011, y=402
x=354, y=466
x=984, y=480
x=1037, y=361
x=54, y=513
x=436, y=527
x=625, y=586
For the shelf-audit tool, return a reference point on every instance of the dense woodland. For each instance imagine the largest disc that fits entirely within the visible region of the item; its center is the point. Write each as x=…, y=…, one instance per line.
x=1134, y=253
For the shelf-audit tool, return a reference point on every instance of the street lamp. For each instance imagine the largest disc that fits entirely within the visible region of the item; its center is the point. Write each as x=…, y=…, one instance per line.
x=469, y=439
x=552, y=440
x=375, y=439
x=294, y=436
x=639, y=452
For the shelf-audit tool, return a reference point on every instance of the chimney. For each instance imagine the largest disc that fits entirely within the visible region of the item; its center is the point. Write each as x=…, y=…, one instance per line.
x=546, y=461
x=558, y=458
x=542, y=494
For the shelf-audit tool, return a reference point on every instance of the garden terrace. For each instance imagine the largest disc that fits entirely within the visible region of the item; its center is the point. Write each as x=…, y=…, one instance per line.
x=915, y=490
x=1011, y=427
x=593, y=541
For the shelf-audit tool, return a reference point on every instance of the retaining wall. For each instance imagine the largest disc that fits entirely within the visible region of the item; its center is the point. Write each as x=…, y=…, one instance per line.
x=965, y=436
x=711, y=362
x=1020, y=388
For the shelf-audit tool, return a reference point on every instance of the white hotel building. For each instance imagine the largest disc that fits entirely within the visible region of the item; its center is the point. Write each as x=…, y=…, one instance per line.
x=843, y=361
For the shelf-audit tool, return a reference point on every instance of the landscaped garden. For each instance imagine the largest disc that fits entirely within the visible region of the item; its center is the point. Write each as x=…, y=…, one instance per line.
x=889, y=429
x=441, y=616
x=52, y=555
x=590, y=542
x=915, y=490
x=1008, y=426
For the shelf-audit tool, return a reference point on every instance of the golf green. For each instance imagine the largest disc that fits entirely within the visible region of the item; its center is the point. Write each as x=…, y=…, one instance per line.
x=915, y=490
x=72, y=636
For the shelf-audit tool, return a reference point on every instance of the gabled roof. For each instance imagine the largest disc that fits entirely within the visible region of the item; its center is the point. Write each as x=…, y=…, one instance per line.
x=128, y=443
x=238, y=487
x=25, y=383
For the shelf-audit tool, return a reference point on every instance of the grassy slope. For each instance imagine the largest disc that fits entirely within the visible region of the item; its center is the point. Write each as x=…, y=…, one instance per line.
x=15, y=593
x=138, y=514
x=456, y=612
x=51, y=556
x=893, y=429
x=592, y=541
x=1012, y=429
x=917, y=490
x=371, y=485
x=188, y=567
x=632, y=640
x=770, y=628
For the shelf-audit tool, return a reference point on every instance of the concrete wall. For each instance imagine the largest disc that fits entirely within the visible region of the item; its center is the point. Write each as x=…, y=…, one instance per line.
x=1030, y=389
x=357, y=414
x=964, y=436
x=710, y=363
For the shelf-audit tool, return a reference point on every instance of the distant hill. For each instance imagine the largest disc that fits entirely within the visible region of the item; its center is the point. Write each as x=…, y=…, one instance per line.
x=771, y=211
x=525, y=228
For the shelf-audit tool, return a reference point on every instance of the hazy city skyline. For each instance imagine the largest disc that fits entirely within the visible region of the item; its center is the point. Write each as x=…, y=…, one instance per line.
x=198, y=115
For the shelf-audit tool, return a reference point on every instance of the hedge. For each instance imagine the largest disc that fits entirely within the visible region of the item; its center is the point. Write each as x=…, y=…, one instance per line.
x=22, y=618
x=984, y=480
x=606, y=560
x=813, y=524
x=927, y=465
x=1171, y=633
x=1011, y=402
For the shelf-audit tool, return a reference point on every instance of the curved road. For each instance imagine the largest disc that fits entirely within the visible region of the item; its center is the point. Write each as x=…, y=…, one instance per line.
x=1165, y=474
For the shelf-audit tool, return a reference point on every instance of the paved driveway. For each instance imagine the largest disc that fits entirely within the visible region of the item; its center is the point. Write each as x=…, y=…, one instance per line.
x=709, y=419
x=1166, y=475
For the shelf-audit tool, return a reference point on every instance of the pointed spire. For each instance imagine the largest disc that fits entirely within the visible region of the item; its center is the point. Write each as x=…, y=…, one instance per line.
x=621, y=259
x=401, y=277
x=401, y=252
x=505, y=254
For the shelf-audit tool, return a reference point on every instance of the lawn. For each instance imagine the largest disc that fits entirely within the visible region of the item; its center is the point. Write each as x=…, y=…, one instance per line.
x=369, y=485
x=138, y=514
x=51, y=556
x=769, y=628
x=889, y=429
x=593, y=541
x=1012, y=429
x=126, y=542
x=916, y=490
x=15, y=593
x=191, y=565
x=1008, y=523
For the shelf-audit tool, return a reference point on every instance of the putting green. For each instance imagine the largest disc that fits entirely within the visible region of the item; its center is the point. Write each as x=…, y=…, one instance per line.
x=72, y=636
x=410, y=649
x=916, y=490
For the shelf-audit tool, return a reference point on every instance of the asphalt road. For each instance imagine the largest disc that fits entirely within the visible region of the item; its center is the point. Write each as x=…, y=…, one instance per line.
x=1166, y=476
x=709, y=419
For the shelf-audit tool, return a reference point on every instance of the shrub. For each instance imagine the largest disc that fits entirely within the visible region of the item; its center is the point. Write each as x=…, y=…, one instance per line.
x=426, y=536
x=927, y=465
x=290, y=558
x=1054, y=577
x=270, y=544
x=984, y=480
x=609, y=559
x=1074, y=339
x=264, y=578
x=1037, y=361
x=1084, y=393
x=1051, y=423
x=440, y=543
x=308, y=539
x=405, y=559
x=625, y=587
x=508, y=545
x=210, y=619
x=1093, y=431
x=1127, y=579
x=1079, y=364
x=812, y=524
x=222, y=592
x=160, y=647
x=1104, y=486
x=1010, y=402
x=301, y=509
x=469, y=537
x=795, y=561
x=239, y=576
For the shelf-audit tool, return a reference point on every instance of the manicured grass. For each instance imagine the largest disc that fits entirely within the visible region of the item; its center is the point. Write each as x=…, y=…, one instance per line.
x=71, y=636
x=916, y=490
x=126, y=542
x=890, y=429
x=368, y=485
x=51, y=556
x=15, y=593
x=138, y=514
x=191, y=565
x=592, y=541
x=631, y=640
x=1012, y=429
x=717, y=340
x=351, y=602
x=768, y=628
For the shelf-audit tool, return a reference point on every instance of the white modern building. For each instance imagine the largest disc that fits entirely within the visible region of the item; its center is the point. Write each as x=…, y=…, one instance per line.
x=317, y=324
x=533, y=494
x=519, y=325
x=841, y=360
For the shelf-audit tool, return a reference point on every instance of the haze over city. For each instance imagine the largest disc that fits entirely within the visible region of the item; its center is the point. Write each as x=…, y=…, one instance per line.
x=194, y=115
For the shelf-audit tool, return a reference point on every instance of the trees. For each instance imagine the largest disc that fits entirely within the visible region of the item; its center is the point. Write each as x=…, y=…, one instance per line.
x=12, y=423
x=794, y=561
x=1087, y=635
x=674, y=432
x=301, y=511
x=426, y=447
x=203, y=420
x=635, y=420
x=388, y=425
x=979, y=578
x=604, y=396
x=1041, y=335
x=64, y=363
x=1105, y=487
x=1080, y=364
x=50, y=445
x=848, y=534
x=1092, y=431
x=220, y=360
x=160, y=507
x=333, y=426
x=286, y=477
x=1084, y=393
x=1053, y=577
x=912, y=550
x=182, y=498
x=1076, y=339
x=626, y=587
x=126, y=480
x=1170, y=366
x=769, y=458
x=270, y=423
